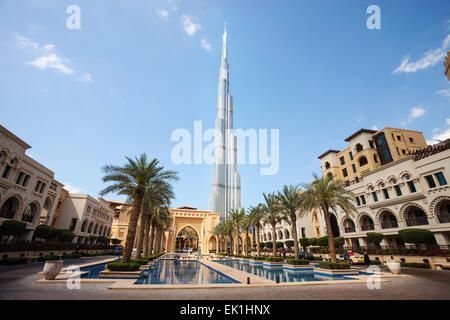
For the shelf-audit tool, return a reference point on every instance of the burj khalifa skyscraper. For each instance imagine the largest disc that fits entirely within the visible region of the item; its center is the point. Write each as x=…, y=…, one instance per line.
x=226, y=181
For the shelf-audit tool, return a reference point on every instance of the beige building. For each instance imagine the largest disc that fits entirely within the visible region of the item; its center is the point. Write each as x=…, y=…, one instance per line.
x=368, y=150
x=28, y=190
x=410, y=190
x=85, y=216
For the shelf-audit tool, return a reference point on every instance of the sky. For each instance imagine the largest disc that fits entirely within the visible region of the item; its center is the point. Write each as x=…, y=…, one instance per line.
x=135, y=71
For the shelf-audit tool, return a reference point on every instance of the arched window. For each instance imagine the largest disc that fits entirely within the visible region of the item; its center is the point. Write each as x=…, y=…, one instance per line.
x=362, y=161
x=327, y=165
x=286, y=234
x=29, y=213
x=330, y=175
x=280, y=235
x=9, y=208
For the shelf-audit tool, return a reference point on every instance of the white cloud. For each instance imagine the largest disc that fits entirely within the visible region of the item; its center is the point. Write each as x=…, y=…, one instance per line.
x=189, y=26
x=164, y=14
x=444, y=92
x=205, y=44
x=447, y=121
x=416, y=112
x=52, y=61
x=72, y=189
x=429, y=59
x=172, y=4
x=87, y=77
x=440, y=137
x=375, y=127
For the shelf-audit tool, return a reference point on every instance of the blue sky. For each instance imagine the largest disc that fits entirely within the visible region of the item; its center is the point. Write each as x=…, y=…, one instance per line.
x=137, y=70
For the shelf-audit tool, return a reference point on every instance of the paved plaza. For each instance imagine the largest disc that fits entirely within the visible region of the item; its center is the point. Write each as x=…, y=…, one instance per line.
x=19, y=282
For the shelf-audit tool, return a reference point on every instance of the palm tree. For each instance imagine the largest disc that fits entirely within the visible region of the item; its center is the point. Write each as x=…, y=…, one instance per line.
x=132, y=179
x=327, y=194
x=237, y=216
x=246, y=224
x=163, y=225
x=290, y=200
x=219, y=233
x=228, y=229
x=272, y=217
x=256, y=216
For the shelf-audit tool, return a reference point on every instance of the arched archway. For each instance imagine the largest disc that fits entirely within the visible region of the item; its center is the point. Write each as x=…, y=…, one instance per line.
x=441, y=208
x=366, y=223
x=10, y=208
x=84, y=225
x=362, y=161
x=46, y=210
x=212, y=244
x=388, y=220
x=280, y=235
x=286, y=234
x=415, y=216
x=30, y=212
x=91, y=225
x=349, y=225
x=187, y=238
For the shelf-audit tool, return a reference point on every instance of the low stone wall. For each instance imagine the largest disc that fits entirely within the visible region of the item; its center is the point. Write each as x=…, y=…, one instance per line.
x=434, y=261
x=33, y=255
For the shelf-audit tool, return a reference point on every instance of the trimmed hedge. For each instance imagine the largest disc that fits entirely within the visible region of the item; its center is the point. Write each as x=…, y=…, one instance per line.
x=261, y=245
x=304, y=242
x=259, y=258
x=297, y=262
x=334, y=265
x=268, y=245
x=45, y=232
x=313, y=241
x=289, y=243
x=140, y=261
x=375, y=262
x=323, y=241
x=65, y=235
x=274, y=259
x=115, y=241
x=317, y=258
x=103, y=239
x=280, y=244
x=49, y=257
x=71, y=256
x=374, y=237
x=416, y=236
x=13, y=261
x=416, y=265
x=122, y=266
x=12, y=228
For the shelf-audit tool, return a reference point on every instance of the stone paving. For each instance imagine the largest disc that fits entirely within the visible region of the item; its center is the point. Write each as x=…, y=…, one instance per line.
x=19, y=282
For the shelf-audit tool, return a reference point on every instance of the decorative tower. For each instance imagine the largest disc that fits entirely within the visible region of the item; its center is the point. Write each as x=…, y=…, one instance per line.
x=226, y=182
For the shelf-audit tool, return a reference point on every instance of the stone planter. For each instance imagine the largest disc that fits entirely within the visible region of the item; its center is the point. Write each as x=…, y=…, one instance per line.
x=394, y=267
x=303, y=267
x=52, y=269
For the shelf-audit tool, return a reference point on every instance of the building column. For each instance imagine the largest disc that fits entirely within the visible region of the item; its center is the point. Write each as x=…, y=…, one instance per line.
x=363, y=242
x=442, y=238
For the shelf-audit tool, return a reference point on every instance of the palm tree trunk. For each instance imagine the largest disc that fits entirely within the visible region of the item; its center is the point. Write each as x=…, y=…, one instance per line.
x=246, y=241
x=132, y=225
x=294, y=234
x=146, y=235
x=274, y=241
x=141, y=233
x=152, y=238
x=158, y=240
x=258, y=250
x=330, y=236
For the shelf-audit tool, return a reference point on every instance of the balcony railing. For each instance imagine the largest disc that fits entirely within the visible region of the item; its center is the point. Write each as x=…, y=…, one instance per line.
x=418, y=221
x=444, y=217
x=366, y=227
x=389, y=225
x=350, y=229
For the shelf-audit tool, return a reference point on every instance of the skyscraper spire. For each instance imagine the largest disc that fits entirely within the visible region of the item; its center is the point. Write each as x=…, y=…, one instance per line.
x=226, y=184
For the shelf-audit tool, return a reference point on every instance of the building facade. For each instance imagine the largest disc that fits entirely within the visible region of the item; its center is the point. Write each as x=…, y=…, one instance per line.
x=447, y=65
x=85, y=216
x=28, y=191
x=408, y=191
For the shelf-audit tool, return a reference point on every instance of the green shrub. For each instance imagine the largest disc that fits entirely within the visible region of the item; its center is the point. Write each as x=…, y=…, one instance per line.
x=45, y=232
x=268, y=245
x=274, y=259
x=297, y=262
x=102, y=239
x=259, y=258
x=334, y=265
x=338, y=242
x=71, y=256
x=65, y=235
x=304, y=242
x=88, y=254
x=317, y=258
x=13, y=261
x=92, y=238
x=262, y=245
x=322, y=241
x=313, y=241
x=115, y=241
x=280, y=244
x=416, y=265
x=140, y=261
x=416, y=236
x=375, y=262
x=12, y=228
x=49, y=257
x=374, y=237
x=122, y=266
x=289, y=243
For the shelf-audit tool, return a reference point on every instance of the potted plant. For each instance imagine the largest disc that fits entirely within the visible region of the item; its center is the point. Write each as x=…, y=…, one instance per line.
x=394, y=267
x=52, y=269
